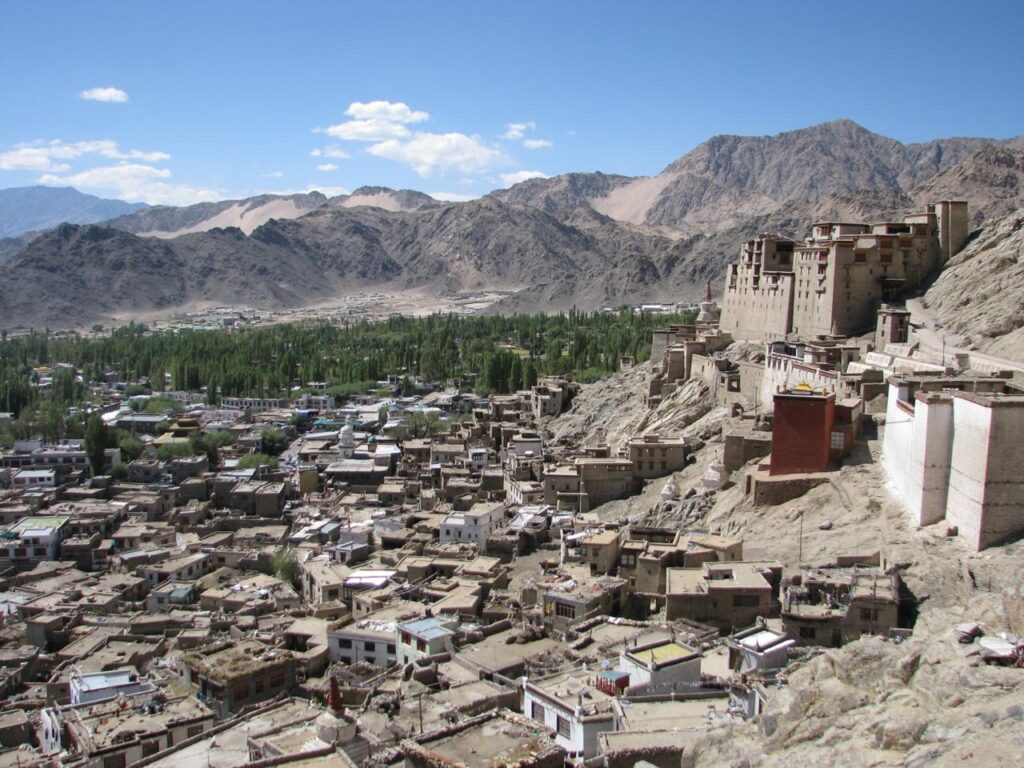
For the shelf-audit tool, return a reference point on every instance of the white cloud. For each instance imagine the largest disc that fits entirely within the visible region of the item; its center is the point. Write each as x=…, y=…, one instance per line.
x=510, y=179
x=334, y=152
x=47, y=156
x=426, y=153
x=452, y=197
x=384, y=125
x=327, y=167
x=109, y=94
x=367, y=130
x=132, y=181
x=272, y=175
x=538, y=143
x=515, y=131
x=376, y=121
x=387, y=111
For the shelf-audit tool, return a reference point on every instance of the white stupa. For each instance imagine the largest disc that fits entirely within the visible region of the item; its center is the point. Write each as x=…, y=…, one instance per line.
x=709, y=311
x=347, y=439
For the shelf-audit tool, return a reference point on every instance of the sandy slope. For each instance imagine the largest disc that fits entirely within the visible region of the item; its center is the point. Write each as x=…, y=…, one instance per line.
x=378, y=200
x=631, y=202
x=240, y=215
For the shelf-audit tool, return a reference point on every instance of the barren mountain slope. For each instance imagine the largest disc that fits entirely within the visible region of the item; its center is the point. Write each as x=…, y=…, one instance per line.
x=980, y=293
x=383, y=197
x=991, y=180
x=730, y=179
x=170, y=221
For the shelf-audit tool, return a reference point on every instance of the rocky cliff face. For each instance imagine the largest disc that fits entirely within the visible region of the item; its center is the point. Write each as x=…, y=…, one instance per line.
x=979, y=296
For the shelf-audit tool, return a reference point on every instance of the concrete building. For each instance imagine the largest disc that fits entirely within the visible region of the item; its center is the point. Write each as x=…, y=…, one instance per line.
x=573, y=706
x=33, y=539
x=185, y=568
x=893, y=326
x=424, y=637
x=90, y=687
x=472, y=526
x=833, y=606
x=231, y=675
x=371, y=639
x=953, y=451
x=119, y=732
x=833, y=283
x=759, y=650
x=588, y=483
x=656, y=456
x=601, y=551
x=661, y=663
x=725, y=595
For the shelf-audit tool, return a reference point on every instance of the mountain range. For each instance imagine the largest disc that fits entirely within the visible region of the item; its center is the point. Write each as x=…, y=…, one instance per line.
x=583, y=239
x=30, y=209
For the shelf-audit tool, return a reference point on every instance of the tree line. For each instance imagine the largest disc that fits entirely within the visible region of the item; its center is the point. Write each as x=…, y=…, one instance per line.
x=490, y=354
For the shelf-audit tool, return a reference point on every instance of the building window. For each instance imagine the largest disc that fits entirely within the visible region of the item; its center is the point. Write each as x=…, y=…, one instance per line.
x=194, y=730
x=391, y=648
x=745, y=601
x=837, y=441
x=564, y=728
x=565, y=611
x=537, y=711
x=241, y=692
x=344, y=642
x=867, y=614
x=369, y=645
x=808, y=633
x=150, y=748
x=114, y=761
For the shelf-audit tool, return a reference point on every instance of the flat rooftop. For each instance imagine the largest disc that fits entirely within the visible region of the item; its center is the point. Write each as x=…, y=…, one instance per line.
x=666, y=653
x=495, y=742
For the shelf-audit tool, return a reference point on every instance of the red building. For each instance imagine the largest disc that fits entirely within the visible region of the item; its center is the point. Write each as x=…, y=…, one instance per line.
x=802, y=431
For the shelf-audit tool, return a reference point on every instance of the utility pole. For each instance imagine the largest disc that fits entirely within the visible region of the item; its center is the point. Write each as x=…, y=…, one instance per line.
x=800, y=558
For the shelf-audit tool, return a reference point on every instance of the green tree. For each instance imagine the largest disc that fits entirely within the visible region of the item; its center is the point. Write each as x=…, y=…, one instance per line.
x=286, y=565
x=96, y=443
x=418, y=425
x=274, y=441
x=131, y=447
x=407, y=387
x=257, y=460
x=172, y=451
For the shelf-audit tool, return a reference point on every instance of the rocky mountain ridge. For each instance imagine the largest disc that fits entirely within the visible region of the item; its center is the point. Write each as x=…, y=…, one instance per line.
x=31, y=209
x=585, y=240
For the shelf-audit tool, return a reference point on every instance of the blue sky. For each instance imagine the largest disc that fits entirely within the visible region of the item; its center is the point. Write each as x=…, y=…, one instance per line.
x=186, y=101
